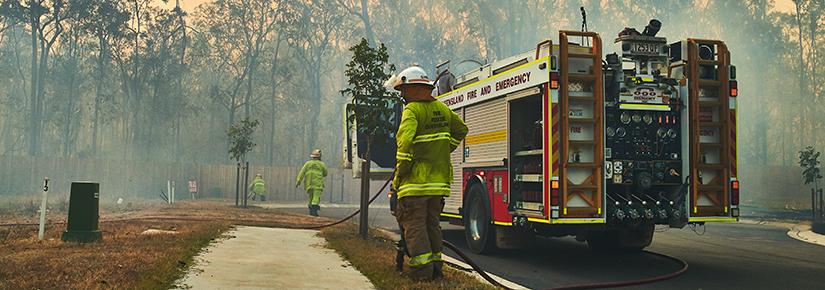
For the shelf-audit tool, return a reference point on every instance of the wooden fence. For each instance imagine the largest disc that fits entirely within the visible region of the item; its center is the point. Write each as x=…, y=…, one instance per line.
x=146, y=180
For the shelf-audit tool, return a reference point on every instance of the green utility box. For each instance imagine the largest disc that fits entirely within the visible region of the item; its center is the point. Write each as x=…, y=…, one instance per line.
x=84, y=203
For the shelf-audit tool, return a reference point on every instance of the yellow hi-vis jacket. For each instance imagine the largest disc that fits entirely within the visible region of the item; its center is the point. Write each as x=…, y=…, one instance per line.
x=428, y=133
x=258, y=186
x=312, y=174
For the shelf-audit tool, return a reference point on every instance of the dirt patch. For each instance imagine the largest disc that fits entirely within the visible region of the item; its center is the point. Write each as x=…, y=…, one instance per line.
x=125, y=258
x=375, y=258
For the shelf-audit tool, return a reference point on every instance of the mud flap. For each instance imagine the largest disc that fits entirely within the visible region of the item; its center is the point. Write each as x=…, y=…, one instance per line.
x=512, y=237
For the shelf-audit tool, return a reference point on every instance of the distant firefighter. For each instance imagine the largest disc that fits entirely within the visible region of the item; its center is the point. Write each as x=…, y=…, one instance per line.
x=313, y=175
x=258, y=188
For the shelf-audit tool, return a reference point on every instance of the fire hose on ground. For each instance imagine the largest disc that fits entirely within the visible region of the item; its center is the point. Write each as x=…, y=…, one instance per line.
x=455, y=249
x=480, y=271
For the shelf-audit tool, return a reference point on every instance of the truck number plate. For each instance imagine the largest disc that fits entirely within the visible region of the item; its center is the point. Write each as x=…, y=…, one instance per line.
x=644, y=48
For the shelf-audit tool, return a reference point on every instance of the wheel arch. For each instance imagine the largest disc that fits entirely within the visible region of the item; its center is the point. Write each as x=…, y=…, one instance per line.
x=475, y=179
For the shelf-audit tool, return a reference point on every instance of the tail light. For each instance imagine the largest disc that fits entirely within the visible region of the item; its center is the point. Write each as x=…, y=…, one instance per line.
x=733, y=89
x=554, y=80
x=554, y=192
x=734, y=192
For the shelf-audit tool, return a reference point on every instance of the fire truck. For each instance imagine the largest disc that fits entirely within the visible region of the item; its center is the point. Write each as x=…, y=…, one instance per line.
x=565, y=143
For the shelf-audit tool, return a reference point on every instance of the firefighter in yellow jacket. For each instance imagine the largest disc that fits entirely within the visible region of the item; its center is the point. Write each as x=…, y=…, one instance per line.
x=428, y=133
x=313, y=175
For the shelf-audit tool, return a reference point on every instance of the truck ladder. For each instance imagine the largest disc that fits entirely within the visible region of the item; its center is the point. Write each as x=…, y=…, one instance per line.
x=590, y=190
x=709, y=117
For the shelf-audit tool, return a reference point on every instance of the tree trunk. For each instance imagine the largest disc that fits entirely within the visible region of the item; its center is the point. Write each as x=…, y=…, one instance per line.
x=802, y=70
x=315, y=109
x=70, y=103
x=41, y=95
x=365, y=16
x=98, y=89
x=33, y=119
x=247, y=104
x=363, y=226
x=273, y=103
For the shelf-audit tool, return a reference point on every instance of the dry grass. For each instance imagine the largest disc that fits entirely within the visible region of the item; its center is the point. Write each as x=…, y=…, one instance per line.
x=375, y=258
x=125, y=259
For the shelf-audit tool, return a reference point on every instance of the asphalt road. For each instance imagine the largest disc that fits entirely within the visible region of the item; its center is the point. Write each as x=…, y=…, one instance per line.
x=725, y=256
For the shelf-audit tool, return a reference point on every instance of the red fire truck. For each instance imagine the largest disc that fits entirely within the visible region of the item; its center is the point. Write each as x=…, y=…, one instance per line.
x=565, y=142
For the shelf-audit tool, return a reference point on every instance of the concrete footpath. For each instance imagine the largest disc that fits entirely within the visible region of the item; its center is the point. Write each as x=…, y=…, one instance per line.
x=272, y=258
x=799, y=231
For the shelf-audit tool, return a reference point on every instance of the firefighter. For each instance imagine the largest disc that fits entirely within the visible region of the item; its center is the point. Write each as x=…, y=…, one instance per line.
x=428, y=133
x=258, y=187
x=313, y=175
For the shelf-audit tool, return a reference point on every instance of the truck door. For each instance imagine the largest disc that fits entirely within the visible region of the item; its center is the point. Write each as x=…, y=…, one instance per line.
x=383, y=151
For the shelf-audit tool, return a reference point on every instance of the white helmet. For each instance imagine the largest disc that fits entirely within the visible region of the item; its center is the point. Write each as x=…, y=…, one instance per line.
x=315, y=153
x=409, y=76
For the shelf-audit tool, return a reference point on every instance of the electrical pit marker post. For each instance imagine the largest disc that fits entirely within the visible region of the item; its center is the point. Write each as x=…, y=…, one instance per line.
x=42, y=230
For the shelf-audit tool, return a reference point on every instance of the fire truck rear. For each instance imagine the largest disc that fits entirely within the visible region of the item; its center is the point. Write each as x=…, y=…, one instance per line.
x=563, y=142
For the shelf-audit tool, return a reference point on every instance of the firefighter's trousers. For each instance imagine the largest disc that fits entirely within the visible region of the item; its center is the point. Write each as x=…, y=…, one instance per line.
x=314, y=196
x=418, y=215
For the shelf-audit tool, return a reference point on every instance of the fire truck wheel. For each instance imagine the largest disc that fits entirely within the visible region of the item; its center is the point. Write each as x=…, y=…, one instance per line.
x=478, y=228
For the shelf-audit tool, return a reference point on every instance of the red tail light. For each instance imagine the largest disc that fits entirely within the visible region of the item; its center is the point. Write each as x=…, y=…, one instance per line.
x=554, y=192
x=733, y=89
x=734, y=192
x=554, y=80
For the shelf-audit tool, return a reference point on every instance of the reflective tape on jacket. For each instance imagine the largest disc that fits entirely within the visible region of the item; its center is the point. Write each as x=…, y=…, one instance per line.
x=403, y=156
x=424, y=189
x=432, y=137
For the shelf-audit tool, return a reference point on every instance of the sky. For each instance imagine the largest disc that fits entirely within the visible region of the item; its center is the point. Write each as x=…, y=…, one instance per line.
x=785, y=6
x=187, y=5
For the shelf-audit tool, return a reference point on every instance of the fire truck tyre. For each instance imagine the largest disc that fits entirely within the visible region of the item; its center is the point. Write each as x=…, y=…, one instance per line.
x=478, y=228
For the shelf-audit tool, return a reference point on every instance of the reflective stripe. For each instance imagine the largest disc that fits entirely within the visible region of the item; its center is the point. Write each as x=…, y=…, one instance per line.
x=455, y=142
x=450, y=215
x=425, y=259
x=424, y=186
x=436, y=257
x=424, y=189
x=421, y=260
x=432, y=137
x=403, y=156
